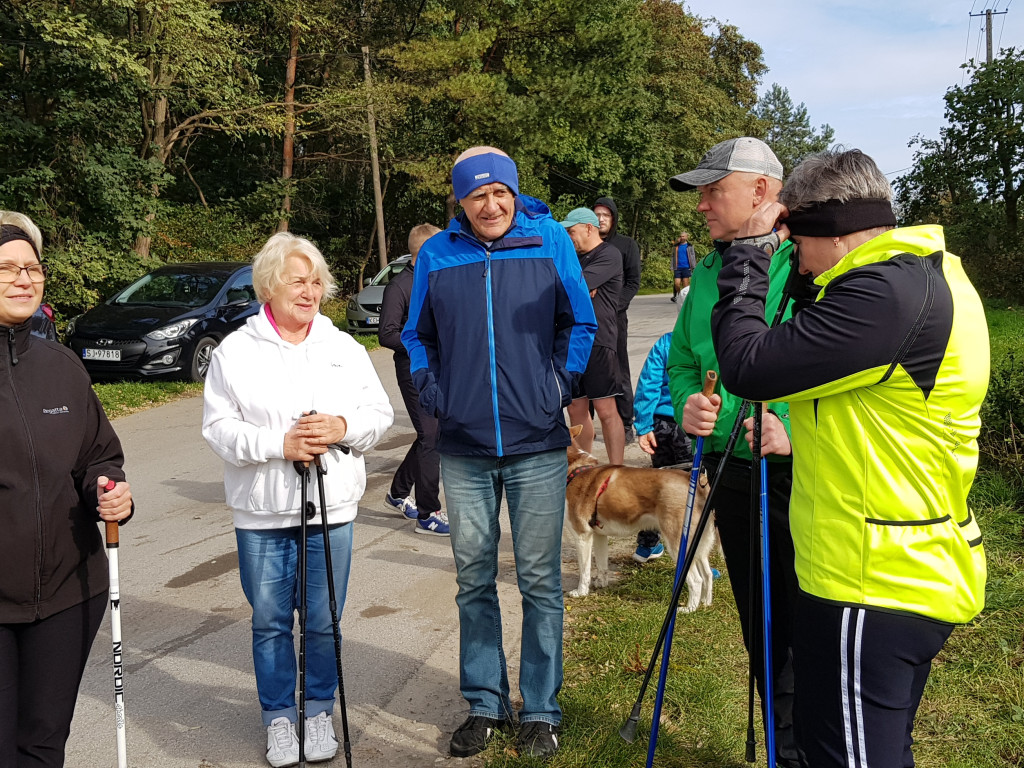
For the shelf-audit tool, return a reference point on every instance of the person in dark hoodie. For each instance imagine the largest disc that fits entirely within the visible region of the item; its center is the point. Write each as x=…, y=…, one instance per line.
x=60, y=454
x=421, y=466
x=608, y=220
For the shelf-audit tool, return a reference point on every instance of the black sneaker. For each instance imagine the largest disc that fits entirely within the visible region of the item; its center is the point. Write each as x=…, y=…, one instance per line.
x=630, y=434
x=472, y=736
x=537, y=739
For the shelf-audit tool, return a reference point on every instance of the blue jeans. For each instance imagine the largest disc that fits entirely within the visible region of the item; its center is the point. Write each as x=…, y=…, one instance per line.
x=535, y=484
x=268, y=568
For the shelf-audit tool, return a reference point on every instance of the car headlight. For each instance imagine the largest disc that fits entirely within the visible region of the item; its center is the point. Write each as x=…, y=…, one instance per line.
x=71, y=327
x=172, y=331
x=353, y=305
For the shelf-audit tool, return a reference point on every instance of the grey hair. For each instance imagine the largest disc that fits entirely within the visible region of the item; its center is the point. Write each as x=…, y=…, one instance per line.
x=26, y=225
x=835, y=174
x=268, y=265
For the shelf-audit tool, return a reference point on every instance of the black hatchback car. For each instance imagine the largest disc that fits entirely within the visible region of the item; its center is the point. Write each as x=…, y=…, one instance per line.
x=165, y=324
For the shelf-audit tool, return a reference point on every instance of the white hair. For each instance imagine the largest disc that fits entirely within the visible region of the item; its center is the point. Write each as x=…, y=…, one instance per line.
x=269, y=264
x=26, y=225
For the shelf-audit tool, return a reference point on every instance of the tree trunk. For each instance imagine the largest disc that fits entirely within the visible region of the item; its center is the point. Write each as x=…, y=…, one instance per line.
x=157, y=150
x=449, y=207
x=288, y=152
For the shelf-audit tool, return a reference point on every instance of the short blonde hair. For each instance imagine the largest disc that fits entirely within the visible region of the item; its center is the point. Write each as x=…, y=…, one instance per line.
x=418, y=235
x=26, y=225
x=268, y=265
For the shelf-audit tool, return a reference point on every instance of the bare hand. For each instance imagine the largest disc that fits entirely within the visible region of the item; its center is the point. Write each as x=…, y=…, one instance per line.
x=700, y=414
x=774, y=438
x=115, y=504
x=647, y=443
x=765, y=218
x=312, y=435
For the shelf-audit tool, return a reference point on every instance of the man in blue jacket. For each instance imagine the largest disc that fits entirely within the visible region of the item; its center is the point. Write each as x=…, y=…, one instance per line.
x=500, y=322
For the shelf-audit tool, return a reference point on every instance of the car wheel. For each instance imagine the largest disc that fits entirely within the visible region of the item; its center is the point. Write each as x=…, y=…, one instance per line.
x=201, y=358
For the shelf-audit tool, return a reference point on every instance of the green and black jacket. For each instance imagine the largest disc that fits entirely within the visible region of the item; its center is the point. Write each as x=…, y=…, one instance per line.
x=885, y=375
x=692, y=354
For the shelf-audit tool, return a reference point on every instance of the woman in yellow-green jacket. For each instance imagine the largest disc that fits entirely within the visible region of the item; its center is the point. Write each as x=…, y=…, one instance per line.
x=884, y=374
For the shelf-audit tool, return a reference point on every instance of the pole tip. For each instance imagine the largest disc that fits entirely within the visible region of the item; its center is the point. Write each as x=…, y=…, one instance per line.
x=628, y=730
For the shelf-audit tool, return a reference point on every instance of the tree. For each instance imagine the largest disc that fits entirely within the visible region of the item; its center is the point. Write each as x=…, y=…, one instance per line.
x=789, y=132
x=986, y=130
x=971, y=178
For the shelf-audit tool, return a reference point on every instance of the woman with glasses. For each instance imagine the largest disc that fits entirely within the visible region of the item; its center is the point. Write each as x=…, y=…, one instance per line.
x=289, y=387
x=60, y=453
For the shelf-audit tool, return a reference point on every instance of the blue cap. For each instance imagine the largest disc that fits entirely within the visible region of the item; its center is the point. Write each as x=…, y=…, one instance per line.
x=581, y=216
x=478, y=170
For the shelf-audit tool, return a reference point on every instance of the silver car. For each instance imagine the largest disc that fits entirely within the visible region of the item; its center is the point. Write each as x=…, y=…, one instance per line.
x=363, y=310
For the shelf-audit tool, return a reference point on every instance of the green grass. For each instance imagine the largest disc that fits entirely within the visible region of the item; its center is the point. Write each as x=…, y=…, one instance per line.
x=124, y=397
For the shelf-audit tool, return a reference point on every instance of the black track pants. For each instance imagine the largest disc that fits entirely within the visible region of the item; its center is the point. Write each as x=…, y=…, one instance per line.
x=859, y=678
x=421, y=467
x=41, y=667
x=624, y=401
x=733, y=520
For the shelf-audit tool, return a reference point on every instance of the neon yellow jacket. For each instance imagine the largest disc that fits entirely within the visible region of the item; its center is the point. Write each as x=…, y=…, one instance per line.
x=885, y=375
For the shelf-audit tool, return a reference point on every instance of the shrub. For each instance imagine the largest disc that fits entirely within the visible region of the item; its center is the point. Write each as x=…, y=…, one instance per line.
x=1002, y=416
x=656, y=274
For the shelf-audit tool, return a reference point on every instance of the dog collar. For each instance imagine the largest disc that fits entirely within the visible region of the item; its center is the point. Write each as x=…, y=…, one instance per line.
x=576, y=473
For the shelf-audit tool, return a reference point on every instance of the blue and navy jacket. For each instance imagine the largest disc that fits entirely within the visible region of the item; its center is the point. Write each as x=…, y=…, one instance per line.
x=496, y=334
x=652, y=394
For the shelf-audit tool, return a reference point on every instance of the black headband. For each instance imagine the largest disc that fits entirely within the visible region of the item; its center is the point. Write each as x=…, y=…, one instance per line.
x=833, y=218
x=9, y=233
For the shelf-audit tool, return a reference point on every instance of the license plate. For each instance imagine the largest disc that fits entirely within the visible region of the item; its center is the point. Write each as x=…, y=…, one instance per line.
x=113, y=355
x=373, y=320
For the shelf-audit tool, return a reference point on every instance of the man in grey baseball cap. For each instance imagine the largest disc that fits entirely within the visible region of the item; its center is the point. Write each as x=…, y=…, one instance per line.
x=743, y=154
x=735, y=178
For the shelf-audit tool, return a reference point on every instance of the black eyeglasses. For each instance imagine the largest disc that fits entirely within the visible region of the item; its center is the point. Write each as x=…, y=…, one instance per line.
x=9, y=272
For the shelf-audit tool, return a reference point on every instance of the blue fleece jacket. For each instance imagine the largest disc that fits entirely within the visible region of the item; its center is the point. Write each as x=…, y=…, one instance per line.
x=496, y=334
x=652, y=393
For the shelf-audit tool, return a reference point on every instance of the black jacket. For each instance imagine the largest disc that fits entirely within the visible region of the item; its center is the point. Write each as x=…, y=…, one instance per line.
x=630, y=251
x=394, y=312
x=56, y=443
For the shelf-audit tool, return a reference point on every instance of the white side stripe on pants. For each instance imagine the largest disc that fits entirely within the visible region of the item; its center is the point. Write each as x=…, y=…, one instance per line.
x=858, y=760
x=857, y=644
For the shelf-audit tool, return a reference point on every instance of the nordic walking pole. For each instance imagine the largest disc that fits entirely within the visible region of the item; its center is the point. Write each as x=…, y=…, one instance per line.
x=302, y=467
x=759, y=481
x=628, y=729
x=752, y=537
x=321, y=470
x=113, y=536
x=710, y=379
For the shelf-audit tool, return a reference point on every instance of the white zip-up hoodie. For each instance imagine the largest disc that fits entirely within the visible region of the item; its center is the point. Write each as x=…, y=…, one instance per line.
x=258, y=386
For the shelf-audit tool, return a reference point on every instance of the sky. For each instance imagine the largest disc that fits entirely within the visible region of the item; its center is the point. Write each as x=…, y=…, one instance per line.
x=875, y=71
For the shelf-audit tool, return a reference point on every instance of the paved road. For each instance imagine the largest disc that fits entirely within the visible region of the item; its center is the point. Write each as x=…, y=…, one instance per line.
x=191, y=696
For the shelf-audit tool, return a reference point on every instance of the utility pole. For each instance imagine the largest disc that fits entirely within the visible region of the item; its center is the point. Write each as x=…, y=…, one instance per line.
x=374, y=164
x=988, y=31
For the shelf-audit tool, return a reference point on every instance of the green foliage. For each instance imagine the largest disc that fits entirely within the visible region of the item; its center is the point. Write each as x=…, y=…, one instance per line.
x=971, y=178
x=656, y=274
x=1001, y=442
x=195, y=233
x=142, y=131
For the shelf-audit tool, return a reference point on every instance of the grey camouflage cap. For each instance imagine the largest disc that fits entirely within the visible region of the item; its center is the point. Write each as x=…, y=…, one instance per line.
x=743, y=154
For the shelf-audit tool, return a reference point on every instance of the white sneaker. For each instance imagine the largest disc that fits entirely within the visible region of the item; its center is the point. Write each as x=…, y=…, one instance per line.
x=282, y=743
x=321, y=743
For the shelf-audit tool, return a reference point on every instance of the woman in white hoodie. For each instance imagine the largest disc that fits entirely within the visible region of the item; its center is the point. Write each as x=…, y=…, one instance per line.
x=264, y=382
